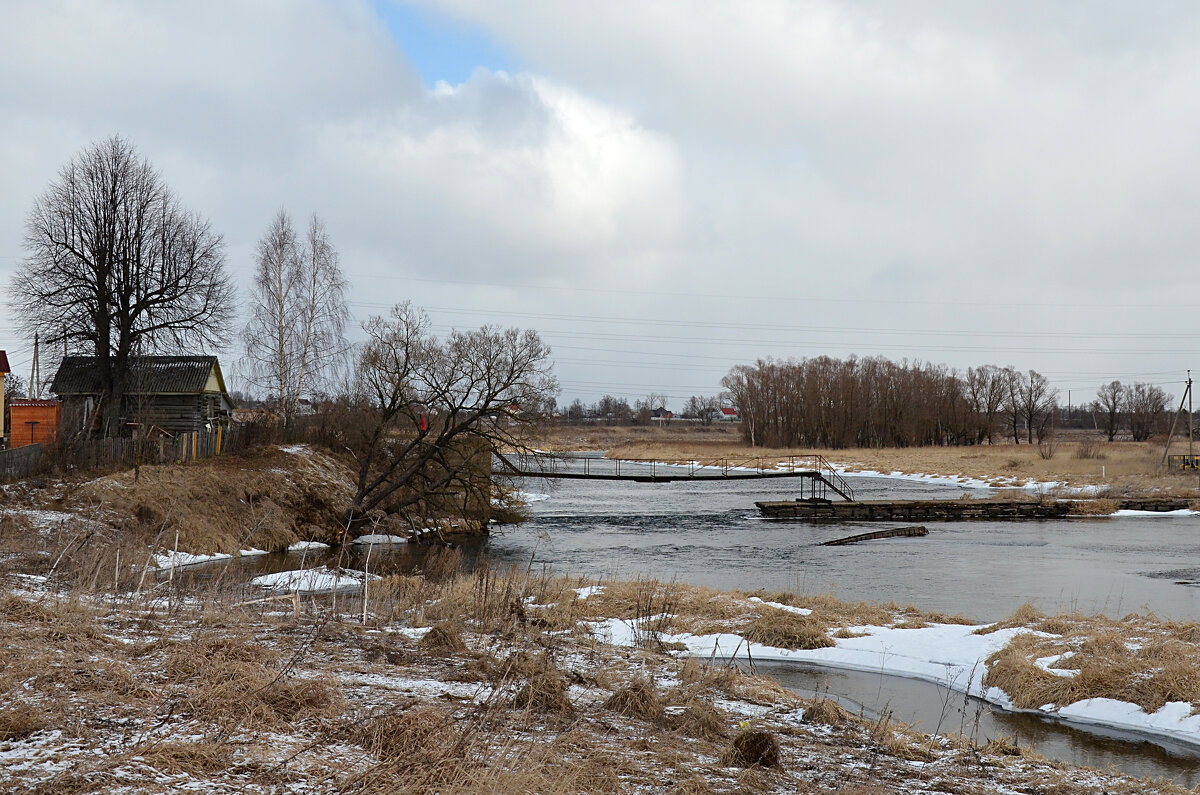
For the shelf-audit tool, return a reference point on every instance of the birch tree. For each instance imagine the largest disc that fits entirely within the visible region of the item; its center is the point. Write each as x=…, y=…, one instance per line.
x=296, y=331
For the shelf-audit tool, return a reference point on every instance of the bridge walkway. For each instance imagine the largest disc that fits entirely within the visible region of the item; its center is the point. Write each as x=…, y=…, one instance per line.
x=813, y=471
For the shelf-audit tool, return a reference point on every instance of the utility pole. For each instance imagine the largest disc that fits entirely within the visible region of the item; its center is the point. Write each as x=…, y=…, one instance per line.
x=1191, y=455
x=1187, y=396
x=35, y=375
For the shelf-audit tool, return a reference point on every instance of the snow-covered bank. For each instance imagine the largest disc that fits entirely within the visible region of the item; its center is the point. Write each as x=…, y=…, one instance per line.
x=950, y=655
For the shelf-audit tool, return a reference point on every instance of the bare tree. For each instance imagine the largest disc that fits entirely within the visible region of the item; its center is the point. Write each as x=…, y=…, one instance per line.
x=113, y=262
x=1109, y=402
x=1146, y=406
x=435, y=411
x=703, y=408
x=985, y=391
x=296, y=331
x=1038, y=402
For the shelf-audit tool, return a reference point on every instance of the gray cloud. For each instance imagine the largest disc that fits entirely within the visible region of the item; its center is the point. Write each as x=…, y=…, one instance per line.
x=1010, y=183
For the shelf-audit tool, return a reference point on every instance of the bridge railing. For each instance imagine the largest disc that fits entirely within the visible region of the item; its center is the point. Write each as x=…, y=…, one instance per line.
x=534, y=463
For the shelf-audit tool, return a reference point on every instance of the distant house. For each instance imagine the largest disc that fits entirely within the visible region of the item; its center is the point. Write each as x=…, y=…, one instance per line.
x=661, y=413
x=175, y=394
x=729, y=415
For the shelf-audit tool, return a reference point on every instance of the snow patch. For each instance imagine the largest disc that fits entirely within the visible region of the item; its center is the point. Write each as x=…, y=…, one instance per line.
x=951, y=655
x=588, y=590
x=1180, y=512
x=318, y=580
x=301, y=546
x=800, y=611
x=380, y=539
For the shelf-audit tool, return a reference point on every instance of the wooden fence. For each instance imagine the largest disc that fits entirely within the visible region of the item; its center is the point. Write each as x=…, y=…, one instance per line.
x=96, y=454
x=20, y=463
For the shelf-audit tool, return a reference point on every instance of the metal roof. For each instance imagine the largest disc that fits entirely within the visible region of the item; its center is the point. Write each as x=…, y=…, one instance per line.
x=148, y=375
x=4, y=362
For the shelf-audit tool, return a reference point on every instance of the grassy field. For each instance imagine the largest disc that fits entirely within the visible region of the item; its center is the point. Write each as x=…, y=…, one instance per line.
x=1076, y=459
x=120, y=679
x=445, y=682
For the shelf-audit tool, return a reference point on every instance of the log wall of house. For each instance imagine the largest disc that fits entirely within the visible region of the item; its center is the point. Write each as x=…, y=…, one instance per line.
x=172, y=413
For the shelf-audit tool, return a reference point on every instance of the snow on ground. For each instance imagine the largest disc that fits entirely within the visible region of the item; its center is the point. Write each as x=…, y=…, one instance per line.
x=301, y=546
x=588, y=590
x=178, y=560
x=800, y=611
x=311, y=581
x=950, y=655
x=380, y=539
x=296, y=449
x=1180, y=512
x=528, y=497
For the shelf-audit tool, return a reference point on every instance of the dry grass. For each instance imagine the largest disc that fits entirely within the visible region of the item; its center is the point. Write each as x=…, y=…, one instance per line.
x=443, y=639
x=1138, y=659
x=699, y=719
x=265, y=500
x=638, y=699
x=1100, y=507
x=1083, y=458
x=787, y=631
x=753, y=748
x=827, y=712
x=255, y=702
x=233, y=683
x=18, y=721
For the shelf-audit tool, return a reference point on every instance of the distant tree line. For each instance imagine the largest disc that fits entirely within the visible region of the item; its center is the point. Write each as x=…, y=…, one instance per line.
x=875, y=402
x=612, y=410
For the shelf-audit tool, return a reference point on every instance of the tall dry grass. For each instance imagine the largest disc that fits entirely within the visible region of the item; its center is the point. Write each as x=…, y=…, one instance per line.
x=1139, y=659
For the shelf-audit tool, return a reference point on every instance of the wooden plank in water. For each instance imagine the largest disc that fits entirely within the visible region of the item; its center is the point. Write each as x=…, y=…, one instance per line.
x=895, y=532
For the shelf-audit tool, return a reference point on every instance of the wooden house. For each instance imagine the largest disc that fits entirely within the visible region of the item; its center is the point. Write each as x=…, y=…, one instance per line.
x=33, y=421
x=174, y=394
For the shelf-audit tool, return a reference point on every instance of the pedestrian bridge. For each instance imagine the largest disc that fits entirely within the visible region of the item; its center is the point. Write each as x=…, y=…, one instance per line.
x=813, y=471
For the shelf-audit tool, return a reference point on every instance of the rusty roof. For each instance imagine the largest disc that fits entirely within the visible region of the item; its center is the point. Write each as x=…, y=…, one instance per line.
x=148, y=375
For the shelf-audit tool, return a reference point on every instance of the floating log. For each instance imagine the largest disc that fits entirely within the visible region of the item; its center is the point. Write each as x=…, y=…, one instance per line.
x=895, y=532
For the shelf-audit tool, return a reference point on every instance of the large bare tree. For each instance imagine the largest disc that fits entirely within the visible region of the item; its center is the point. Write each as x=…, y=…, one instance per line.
x=115, y=265
x=432, y=412
x=1146, y=406
x=1109, y=403
x=296, y=331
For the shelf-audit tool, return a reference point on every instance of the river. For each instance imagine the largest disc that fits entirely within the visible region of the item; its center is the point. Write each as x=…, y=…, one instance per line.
x=709, y=533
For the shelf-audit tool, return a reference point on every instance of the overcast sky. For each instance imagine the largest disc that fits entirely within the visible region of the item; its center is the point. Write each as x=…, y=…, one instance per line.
x=667, y=189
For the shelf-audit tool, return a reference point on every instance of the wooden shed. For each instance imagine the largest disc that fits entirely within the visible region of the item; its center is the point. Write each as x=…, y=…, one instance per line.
x=34, y=421
x=175, y=394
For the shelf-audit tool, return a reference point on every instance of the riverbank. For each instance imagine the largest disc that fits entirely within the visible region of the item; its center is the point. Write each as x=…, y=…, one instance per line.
x=1074, y=460
x=483, y=682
